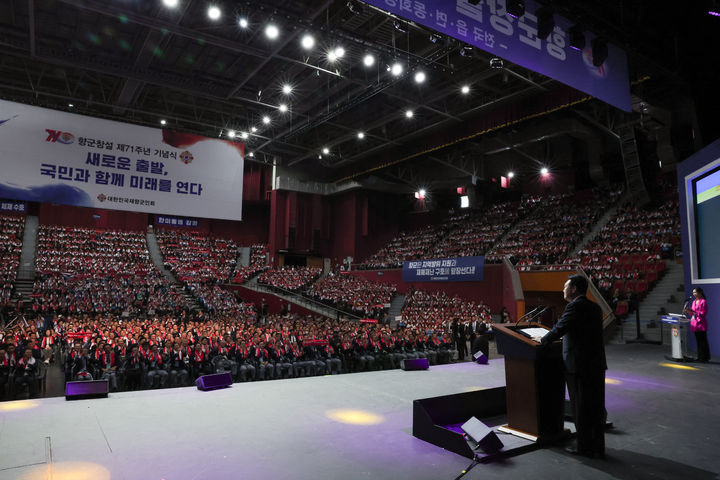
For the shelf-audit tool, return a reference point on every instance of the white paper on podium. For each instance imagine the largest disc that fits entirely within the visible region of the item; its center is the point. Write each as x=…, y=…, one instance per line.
x=534, y=332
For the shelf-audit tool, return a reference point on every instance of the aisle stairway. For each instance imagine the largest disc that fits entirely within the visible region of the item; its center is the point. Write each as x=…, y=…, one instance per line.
x=26, y=270
x=157, y=258
x=396, y=308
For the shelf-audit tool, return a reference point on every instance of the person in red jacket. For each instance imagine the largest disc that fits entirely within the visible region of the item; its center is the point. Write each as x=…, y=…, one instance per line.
x=698, y=324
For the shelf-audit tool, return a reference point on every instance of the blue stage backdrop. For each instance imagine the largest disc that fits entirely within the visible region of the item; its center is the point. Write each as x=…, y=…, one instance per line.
x=700, y=270
x=488, y=27
x=460, y=269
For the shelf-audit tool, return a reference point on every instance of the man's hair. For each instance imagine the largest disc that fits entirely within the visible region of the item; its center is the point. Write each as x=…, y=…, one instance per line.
x=579, y=282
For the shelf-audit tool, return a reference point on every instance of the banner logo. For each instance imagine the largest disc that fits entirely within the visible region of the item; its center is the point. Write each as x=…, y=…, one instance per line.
x=59, y=136
x=186, y=157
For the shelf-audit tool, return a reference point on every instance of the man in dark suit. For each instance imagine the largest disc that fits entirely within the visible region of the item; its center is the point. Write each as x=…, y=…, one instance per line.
x=584, y=356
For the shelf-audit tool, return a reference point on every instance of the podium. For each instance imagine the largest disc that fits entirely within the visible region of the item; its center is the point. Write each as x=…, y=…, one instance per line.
x=535, y=384
x=678, y=326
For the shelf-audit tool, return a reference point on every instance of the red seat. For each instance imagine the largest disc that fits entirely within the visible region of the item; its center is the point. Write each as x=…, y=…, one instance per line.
x=621, y=308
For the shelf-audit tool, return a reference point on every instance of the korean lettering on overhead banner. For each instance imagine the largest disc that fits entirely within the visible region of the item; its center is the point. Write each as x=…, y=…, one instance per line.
x=460, y=269
x=488, y=27
x=59, y=157
x=161, y=221
x=11, y=206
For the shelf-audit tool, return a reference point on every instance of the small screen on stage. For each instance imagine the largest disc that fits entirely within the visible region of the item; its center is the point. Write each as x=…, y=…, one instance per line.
x=706, y=200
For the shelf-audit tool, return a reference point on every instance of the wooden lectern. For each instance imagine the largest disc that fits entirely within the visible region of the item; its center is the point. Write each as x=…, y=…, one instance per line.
x=535, y=384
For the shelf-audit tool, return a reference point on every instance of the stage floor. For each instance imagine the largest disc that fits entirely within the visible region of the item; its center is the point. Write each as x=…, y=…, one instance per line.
x=353, y=427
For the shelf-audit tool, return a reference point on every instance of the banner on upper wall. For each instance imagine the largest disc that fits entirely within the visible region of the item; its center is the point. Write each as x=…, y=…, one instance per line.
x=460, y=269
x=12, y=206
x=488, y=27
x=161, y=221
x=59, y=157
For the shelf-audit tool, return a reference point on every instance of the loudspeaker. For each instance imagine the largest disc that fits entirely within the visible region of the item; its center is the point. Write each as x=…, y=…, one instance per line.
x=415, y=364
x=482, y=435
x=214, y=381
x=480, y=358
x=83, y=390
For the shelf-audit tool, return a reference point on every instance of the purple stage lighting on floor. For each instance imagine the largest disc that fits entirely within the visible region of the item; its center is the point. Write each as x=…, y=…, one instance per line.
x=713, y=13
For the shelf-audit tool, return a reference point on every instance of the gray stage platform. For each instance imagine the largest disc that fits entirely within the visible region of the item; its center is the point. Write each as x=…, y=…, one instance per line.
x=353, y=427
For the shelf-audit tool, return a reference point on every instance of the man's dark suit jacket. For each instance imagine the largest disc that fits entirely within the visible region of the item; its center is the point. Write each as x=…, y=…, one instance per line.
x=581, y=330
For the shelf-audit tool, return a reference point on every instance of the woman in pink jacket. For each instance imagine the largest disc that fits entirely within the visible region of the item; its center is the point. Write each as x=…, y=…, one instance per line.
x=698, y=324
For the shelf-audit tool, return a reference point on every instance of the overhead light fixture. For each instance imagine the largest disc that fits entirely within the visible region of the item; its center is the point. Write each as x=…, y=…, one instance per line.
x=71, y=105
x=409, y=113
x=465, y=89
x=339, y=52
x=283, y=108
x=244, y=135
x=544, y=171
x=163, y=122
x=308, y=41
x=272, y=32
x=515, y=8
x=496, y=62
x=170, y=3
x=369, y=60
x=251, y=154
x=396, y=69
x=361, y=135
x=287, y=89
x=599, y=51
x=355, y=7
x=466, y=51
x=231, y=133
x=266, y=120
x=545, y=22
x=214, y=13
x=577, y=37
x=434, y=38
x=511, y=174
x=419, y=77
x=331, y=56
x=400, y=26
x=253, y=129
x=243, y=22
x=326, y=150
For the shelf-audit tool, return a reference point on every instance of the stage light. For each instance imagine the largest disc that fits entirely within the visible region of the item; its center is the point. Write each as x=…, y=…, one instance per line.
x=339, y=52
x=496, y=63
x=515, y=8
x=422, y=193
x=464, y=201
x=213, y=12
x=511, y=174
x=466, y=52
x=331, y=56
x=396, y=69
x=409, y=113
x=400, y=26
x=243, y=22
x=283, y=108
x=251, y=154
x=434, y=38
x=355, y=7
x=272, y=32
x=419, y=77
x=71, y=105
x=545, y=21
x=244, y=135
x=307, y=42
x=465, y=89
x=326, y=150
x=231, y=133
x=599, y=51
x=577, y=37
x=714, y=13
x=287, y=89
x=253, y=129
x=170, y=3
x=369, y=60
x=361, y=135
x=163, y=122
x=266, y=120
x=544, y=171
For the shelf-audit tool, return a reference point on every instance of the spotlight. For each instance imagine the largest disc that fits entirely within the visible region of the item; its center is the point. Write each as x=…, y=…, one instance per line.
x=339, y=52
x=466, y=51
x=577, y=37
x=409, y=113
x=544, y=171
x=400, y=26
x=326, y=150
x=599, y=51
x=419, y=77
x=422, y=193
x=435, y=38
x=163, y=122
x=243, y=22
x=515, y=8
x=465, y=89
x=251, y=154
x=396, y=69
x=272, y=32
x=355, y=7
x=369, y=60
x=331, y=56
x=244, y=135
x=71, y=105
x=213, y=12
x=511, y=174
x=253, y=129
x=361, y=135
x=545, y=21
x=496, y=62
x=307, y=42
x=286, y=89
x=170, y=3
x=231, y=133
x=283, y=108
x=266, y=120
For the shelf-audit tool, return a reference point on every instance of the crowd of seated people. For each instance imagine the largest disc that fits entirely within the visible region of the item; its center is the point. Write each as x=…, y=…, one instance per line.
x=406, y=246
x=258, y=263
x=294, y=279
x=192, y=256
x=431, y=311
x=86, y=270
x=216, y=299
x=628, y=255
x=169, y=351
x=550, y=232
x=11, y=231
x=352, y=294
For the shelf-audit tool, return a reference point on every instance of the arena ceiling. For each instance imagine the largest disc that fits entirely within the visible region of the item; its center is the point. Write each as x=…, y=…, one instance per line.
x=139, y=61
